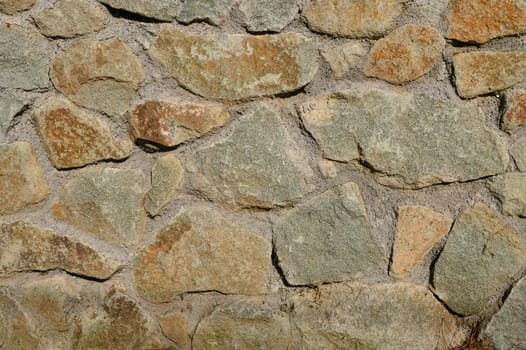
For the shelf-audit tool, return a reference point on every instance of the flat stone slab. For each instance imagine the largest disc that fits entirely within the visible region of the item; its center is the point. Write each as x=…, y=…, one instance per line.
x=210, y=11
x=268, y=15
x=167, y=183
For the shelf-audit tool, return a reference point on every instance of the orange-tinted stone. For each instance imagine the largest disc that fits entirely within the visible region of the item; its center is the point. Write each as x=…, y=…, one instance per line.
x=515, y=115
x=175, y=328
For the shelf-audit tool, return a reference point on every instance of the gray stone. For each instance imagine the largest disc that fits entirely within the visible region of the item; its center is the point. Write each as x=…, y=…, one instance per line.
x=511, y=191
x=105, y=202
x=328, y=239
x=256, y=166
x=10, y=106
x=211, y=11
x=268, y=15
x=518, y=153
x=163, y=10
x=24, y=58
x=343, y=58
x=167, y=183
x=15, y=332
x=480, y=257
x=411, y=141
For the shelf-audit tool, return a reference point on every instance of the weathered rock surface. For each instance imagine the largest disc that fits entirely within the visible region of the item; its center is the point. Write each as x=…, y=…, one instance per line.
x=169, y=124
x=243, y=324
x=328, y=239
x=518, y=153
x=411, y=141
x=10, y=106
x=211, y=11
x=21, y=179
x=255, y=166
x=100, y=75
x=268, y=15
x=167, y=183
x=73, y=138
x=24, y=58
x=15, y=332
x=396, y=316
x=480, y=257
x=511, y=191
x=515, y=114
x=478, y=21
x=237, y=66
x=175, y=328
x=343, y=58
x=484, y=72
x=406, y=54
x=25, y=247
x=10, y=7
x=105, y=202
x=355, y=19
x=417, y=231
x=163, y=10
x=201, y=251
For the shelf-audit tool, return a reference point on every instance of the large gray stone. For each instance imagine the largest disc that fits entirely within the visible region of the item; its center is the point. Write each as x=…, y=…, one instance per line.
x=163, y=10
x=328, y=239
x=268, y=15
x=480, y=257
x=10, y=106
x=410, y=140
x=511, y=191
x=211, y=11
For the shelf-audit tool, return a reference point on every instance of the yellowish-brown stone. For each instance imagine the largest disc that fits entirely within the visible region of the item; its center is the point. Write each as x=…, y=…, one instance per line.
x=10, y=7
x=175, y=328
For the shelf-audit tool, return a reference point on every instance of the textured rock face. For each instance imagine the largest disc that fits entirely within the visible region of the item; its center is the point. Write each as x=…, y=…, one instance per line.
x=411, y=141
x=107, y=203
x=484, y=72
x=100, y=75
x=343, y=58
x=515, y=114
x=328, y=239
x=25, y=247
x=73, y=138
x=175, y=328
x=21, y=179
x=169, y=124
x=511, y=191
x=243, y=324
x=167, y=183
x=10, y=7
x=355, y=19
x=255, y=166
x=238, y=66
x=202, y=251
x=211, y=11
x=480, y=256
x=518, y=153
x=382, y=317
x=10, y=106
x=478, y=21
x=406, y=54
x=163, y=10
x=15, y=332
x=268, y=15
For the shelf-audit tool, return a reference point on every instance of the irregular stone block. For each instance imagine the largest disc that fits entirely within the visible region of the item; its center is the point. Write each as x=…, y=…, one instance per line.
x=175, y=328
x=518, y=153
x=406, y=54
x=163, y=10
x=105, y=202
x=411, y=141
x=167, y=183
x=100, y=75
x=22, y=181
x=211, y=11
x=327, y=239
x=10, y=106
x=481, y=256
x=238, y=66
x=343, y=58
x=268, y=15
x=354, y=19
x=73, y=138
x=511, y=191
x=201, y=251
x=515, y=114
x=11, y=7
x=16, y=332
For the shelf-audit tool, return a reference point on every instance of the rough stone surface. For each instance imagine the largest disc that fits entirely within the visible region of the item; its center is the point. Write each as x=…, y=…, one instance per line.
x=105, y=202
x=243, y=324
x=410, y=140
x=25, y=247
x=237, y=66
x=175, y=328
x=163, y=10
x=167, y=183
x=343, y=58
x=169, y=124
x=15, y=332
x=480, y=257
x=73, y=138
x=21, y=179
x=202, y=251
x=211, y=11
x=100, y=75
x=518, y=153
x=417, y=231
x=10, y=106
x=406, y=54
x=507, y=327
x=478, y=21
x=250, y=167
x=268, y=15
x=355, y=19
x=24, y=58
x=511, y=191
x=10, y=7
x=515, y=114
x=396, y=316
x=328, y=239
x=484, y=72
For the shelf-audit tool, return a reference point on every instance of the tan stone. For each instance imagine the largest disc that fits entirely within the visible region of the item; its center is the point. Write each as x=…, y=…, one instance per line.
x=355, y=19
x=515, y=114
x=406, y=54
x=175, y=328
x=343, y=58
x=511, y=191
x=21, y=179
x=236, y=67
x=484, y=72
x=167, y=183
x=15, y=332
x=201, y=251
x=327, y=168
x=10, y=7
x=73, y=138
x=518, y=153
x=478, y=21
x=417, y=231
x=169, y=124
x=100, y=75
x=25, y=247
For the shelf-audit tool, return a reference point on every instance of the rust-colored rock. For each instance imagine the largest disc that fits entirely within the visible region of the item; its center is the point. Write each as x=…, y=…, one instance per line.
x=175, y=328
x=515, y=115
x=406, y=54
x=10, y=7
x=478, y=21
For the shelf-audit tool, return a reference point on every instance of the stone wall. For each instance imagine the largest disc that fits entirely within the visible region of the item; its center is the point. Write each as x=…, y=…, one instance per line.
x=262, y=174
